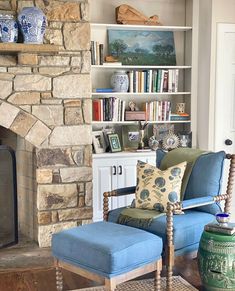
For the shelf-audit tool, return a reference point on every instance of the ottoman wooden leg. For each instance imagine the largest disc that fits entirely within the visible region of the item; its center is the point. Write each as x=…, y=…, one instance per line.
x=110, y=284
x=157, y=279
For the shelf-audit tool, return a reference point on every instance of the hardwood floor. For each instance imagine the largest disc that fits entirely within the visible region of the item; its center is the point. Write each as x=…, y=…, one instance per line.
x=44, y=279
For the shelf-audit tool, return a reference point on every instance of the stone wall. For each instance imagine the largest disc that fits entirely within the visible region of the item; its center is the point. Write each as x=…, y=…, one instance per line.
x=45, y=99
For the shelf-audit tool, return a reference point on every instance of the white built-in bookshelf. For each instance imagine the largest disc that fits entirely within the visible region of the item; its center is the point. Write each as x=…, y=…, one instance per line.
x=178, y=16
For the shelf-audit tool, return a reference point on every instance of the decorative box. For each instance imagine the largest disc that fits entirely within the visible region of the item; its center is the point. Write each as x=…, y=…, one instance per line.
x=135, y=115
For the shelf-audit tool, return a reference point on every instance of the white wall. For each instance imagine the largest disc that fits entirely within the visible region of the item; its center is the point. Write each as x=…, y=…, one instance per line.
x=204, y=61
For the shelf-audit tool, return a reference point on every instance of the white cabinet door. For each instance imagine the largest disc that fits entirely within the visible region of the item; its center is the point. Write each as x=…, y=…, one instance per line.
x=110, y=174
x=104, y=179
x=126, y=178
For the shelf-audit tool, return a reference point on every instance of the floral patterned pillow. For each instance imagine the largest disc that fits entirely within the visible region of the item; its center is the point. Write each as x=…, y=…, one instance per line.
x=155, y=187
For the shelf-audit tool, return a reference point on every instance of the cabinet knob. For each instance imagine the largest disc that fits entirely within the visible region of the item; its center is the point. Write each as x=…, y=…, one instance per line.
x=114, y=170
x=119, y=170
x=228, y=142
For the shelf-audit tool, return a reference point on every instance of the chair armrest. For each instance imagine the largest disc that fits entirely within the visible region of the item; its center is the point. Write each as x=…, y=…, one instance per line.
x=120, y=192
x=126, y=191
x=196, y=202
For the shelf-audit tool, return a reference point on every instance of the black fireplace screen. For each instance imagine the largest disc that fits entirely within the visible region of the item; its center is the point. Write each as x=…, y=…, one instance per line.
x=8, y=197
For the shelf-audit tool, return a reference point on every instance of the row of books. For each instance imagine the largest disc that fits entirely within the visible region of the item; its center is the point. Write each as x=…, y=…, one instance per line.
x=113, y=109
x=108, y=109
x=158, y=111
x=147, y=81
x=97, y=53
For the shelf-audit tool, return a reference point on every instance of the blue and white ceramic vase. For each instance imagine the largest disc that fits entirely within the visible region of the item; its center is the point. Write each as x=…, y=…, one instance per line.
x=8, y=28
x=32, y=22
x=120, y=81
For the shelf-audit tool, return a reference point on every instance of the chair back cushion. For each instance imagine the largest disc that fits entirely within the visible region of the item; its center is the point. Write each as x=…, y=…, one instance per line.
x=205, y=178
x=155, y=188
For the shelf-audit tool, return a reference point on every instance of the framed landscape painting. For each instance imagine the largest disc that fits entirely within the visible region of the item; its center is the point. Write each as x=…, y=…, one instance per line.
x=140, y=47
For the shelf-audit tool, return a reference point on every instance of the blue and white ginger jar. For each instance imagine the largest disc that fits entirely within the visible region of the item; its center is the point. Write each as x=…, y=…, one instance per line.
x=32, y=22
x=120, y=81
x=8, y=28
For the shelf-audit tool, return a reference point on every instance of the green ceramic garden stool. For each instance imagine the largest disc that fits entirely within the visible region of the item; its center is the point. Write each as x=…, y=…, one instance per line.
x=216, y=260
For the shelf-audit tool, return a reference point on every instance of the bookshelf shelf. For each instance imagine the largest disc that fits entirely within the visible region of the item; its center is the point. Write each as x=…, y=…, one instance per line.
x=138, y=67
x=136, y=122
x=140, y=27
x=140, y=94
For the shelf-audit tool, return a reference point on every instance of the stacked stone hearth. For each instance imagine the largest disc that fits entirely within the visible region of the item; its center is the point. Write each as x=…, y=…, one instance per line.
x=45, y=100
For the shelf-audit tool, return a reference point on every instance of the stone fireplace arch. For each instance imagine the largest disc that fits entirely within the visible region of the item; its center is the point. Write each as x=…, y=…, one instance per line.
x=23, y=124
x=54, y=173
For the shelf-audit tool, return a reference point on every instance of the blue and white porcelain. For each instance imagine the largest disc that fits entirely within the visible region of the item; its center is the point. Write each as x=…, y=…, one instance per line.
x=120, y=81
x=32, y=22
x=8, y=28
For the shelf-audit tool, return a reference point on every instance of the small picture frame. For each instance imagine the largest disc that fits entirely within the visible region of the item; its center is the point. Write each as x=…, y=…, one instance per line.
x=170, y=141
x=114, y=143
x=185, y=139
x=98, y=142
x=161, y=130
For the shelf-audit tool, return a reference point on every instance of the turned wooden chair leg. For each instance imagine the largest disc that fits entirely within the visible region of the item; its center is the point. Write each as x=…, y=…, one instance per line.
x=59, y=279
x=170, y=247
x=169, y=278
x=157, y=279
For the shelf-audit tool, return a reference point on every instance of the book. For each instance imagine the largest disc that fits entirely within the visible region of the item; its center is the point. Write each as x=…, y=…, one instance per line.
x=165, y=81
x=104, y=90
x=228, y=228
x=96, y=110
x=179, y=117
x=101, y=49
x=97, y=47
x=159, y=78
x=92, y=52
x=176, y=80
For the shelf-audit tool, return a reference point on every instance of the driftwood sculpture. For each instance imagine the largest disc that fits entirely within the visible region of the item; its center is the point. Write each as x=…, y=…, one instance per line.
x=126, y=14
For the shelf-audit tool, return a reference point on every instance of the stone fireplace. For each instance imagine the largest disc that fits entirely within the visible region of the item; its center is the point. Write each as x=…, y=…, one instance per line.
x=45, y=115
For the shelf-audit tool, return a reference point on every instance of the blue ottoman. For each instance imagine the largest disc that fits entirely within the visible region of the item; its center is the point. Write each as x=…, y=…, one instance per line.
x=107, y=252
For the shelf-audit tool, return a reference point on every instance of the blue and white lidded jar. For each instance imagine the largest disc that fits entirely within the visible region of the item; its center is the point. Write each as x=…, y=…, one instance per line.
x=8, y=28
x=32, y=22
x=120, y=81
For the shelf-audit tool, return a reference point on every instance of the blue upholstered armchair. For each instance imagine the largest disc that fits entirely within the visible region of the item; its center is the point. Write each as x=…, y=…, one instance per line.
x=201, y=201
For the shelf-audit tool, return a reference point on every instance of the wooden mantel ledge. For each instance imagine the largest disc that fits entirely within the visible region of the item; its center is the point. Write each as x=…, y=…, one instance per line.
x=28, y=48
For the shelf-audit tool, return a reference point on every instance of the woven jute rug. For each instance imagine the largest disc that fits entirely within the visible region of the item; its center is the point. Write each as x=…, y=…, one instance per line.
x=179, y=284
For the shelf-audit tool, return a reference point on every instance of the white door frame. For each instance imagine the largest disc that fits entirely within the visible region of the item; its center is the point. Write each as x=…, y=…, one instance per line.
x=221, y=54
x=222, y=28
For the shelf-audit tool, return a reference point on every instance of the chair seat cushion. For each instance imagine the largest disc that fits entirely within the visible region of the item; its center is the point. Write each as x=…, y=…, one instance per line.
x=188, y=227
x=107, y=249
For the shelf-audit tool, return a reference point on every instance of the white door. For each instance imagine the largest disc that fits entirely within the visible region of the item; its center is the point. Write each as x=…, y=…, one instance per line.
x=225, y=94
x=104, y=179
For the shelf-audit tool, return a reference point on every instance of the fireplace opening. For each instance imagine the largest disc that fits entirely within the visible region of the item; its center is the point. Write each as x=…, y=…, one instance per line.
x=18, y=207
x=8, y=197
